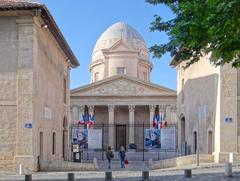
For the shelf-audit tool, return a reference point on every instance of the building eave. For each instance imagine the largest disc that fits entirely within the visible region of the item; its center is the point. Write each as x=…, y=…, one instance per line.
x=41, y=10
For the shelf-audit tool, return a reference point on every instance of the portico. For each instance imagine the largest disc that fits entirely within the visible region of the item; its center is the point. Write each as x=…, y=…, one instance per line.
x=122, y=112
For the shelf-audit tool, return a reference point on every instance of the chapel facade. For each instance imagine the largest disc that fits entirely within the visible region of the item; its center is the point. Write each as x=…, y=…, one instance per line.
x=120, y=94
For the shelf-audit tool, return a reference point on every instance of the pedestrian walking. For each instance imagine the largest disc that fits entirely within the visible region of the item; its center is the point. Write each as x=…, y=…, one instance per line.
x=122, y=155
x=109, y=155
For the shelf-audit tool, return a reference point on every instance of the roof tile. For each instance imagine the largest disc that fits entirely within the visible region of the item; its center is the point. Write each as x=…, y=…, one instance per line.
x=18, y=3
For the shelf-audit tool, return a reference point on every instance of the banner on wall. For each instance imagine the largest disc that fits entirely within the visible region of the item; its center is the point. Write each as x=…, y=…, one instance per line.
x=152, y=138
x=95, y=138
x=80, y=136
x=168, y=138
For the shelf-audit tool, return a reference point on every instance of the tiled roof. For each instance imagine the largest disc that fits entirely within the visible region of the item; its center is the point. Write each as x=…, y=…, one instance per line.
x=15, y=5
x=19, y=4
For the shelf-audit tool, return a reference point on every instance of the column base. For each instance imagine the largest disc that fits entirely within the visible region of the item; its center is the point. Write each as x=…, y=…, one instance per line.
x=223, y=157
x=29, y=164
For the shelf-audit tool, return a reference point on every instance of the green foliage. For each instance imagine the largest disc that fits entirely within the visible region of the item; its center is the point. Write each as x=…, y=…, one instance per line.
x=200, y=27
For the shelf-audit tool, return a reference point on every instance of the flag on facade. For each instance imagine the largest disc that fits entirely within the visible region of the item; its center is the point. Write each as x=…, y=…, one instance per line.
x=91, y=120
x=84, y=120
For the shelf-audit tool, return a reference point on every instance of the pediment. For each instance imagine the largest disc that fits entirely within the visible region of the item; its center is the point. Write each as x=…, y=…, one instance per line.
x=119, y=46
x=122, y=86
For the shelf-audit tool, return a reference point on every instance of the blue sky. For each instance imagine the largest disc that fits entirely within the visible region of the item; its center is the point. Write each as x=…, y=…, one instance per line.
x=83, y=21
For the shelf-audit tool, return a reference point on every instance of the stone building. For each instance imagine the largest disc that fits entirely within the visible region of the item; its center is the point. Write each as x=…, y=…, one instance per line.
x=34, y=80
x=120, y=93
x=208, y=109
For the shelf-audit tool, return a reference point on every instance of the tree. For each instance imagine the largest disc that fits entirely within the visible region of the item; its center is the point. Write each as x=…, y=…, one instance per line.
x=200, y=27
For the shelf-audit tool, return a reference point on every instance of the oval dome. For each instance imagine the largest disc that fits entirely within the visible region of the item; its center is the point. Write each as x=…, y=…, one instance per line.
x=122, y=31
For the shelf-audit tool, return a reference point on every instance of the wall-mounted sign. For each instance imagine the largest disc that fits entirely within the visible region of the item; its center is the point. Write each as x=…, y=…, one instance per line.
x=28, y=125
x=47, y=113
x=202, y=113
x=75, y=148
x=228, y=119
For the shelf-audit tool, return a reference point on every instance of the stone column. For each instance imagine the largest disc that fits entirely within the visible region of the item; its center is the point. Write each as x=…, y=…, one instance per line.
x=91, y=110
x=131, y=109
x=75, y=114
x=81, y=112
x=168, y=112
x=111, y=126
x=152, y=111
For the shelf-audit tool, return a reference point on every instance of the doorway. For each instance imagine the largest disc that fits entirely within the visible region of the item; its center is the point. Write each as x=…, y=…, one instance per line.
x=194, y=142
x=183, y=130
x=121, y=131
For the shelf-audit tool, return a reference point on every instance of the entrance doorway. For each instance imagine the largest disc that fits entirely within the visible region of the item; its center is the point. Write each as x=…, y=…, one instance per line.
x=121, y=132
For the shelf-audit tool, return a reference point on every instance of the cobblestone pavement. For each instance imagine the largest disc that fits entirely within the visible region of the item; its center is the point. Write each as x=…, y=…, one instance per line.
x=200, y=174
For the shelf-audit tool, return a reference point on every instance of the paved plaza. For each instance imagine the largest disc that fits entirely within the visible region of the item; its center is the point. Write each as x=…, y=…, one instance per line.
x=199, y=174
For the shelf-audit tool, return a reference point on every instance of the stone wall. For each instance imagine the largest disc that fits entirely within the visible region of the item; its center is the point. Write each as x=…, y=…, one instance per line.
x=216, y=89
x=47, y=165
x=8, y=93
x=50, y=71
x=183, y=161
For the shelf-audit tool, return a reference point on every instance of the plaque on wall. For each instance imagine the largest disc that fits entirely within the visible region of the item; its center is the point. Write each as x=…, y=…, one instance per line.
x=228, y=119
x=47, y=113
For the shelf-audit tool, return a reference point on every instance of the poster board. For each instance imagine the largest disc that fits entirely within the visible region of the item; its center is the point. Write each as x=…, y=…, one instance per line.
x=80, y=136
x=168, y=138
x=152, y=138
x=95, y=138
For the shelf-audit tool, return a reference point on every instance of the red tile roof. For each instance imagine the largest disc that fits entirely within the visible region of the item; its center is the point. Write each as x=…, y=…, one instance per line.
x=18, y=3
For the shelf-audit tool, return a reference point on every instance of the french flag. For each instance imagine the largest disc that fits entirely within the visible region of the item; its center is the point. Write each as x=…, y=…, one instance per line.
x=84, y=120
x=91, y=120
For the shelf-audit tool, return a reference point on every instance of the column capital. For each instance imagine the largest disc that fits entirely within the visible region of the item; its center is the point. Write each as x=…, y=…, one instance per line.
x=81, y=108
x=163, y=106
x=91, y=108
x=111, y=107
x=152, y=107
x=74, y=107
x=131, y=108
x=173, y=107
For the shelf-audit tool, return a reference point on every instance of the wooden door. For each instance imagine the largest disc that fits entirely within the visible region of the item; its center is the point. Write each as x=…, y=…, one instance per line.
x=121, y=132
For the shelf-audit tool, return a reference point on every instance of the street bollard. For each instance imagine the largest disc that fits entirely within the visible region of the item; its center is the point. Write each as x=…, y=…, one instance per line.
x=95, y=163
x=108, y=176
x=187, y=173
x=145, y=176
x=28, y=177
x=70, y=176
x=228, y=169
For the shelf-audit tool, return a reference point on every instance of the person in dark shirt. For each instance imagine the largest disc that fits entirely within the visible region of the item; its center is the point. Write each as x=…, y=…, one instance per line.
x=109, y=155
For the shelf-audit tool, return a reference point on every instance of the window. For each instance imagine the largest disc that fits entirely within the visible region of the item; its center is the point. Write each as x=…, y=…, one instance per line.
x=53, y=143
x=65, y=91
x=96, y=76
x=144, y=76
x=120, y=70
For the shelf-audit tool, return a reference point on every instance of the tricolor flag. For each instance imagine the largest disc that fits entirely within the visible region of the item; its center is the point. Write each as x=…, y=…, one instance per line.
x=84, y=120
x=91, y=120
